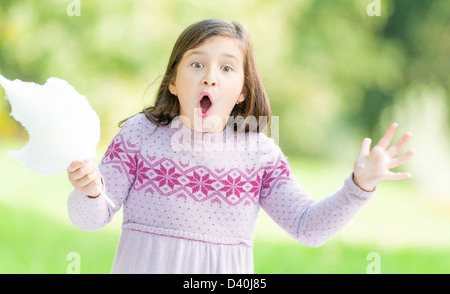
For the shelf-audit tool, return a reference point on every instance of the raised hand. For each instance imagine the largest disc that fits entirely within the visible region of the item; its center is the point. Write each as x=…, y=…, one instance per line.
x=373, y=166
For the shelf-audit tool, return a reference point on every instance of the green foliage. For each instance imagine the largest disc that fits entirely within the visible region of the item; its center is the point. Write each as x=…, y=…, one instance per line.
x=331, y=69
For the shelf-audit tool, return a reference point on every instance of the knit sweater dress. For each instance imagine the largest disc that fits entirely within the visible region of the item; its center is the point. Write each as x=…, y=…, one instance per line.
x=190, y=200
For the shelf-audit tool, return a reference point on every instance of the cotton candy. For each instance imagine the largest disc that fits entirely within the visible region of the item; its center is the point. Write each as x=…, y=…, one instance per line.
x=61, y=124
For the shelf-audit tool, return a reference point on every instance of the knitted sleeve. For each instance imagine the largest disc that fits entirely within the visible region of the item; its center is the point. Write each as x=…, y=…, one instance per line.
x=309, y=221
x=118, y=170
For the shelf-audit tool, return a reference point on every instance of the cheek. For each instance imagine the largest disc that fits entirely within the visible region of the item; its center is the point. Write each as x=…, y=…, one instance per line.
x=235, y=81
x=225, y=106
x=185, y=89
x=233, y=91
x=184, y=84
x=186, y=78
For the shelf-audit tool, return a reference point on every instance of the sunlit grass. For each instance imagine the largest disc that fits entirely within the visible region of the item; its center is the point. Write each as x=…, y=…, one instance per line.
x=32, y=242
x=337, y=257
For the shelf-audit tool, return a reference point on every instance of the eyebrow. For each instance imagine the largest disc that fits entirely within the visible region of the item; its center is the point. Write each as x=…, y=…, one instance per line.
x=196, y=52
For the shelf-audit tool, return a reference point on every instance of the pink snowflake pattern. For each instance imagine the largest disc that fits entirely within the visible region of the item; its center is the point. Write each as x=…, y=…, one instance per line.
x=200, y=183
x=233, y=186
x=141, y=173
x=276, y=173
x=284, y=167
x=268, y=179
x=114, y=150
x=256, y=185
x=167, y=177
x=131, y=164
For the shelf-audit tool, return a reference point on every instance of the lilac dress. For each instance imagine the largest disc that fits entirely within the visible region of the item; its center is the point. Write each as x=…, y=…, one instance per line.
x=191, y=200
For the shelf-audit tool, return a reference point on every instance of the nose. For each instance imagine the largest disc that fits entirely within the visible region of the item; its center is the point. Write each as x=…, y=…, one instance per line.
x=209, y=79
x=208, y=83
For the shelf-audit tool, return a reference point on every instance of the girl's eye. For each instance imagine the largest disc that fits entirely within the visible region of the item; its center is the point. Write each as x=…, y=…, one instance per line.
x=227, y=68
x=197, y=65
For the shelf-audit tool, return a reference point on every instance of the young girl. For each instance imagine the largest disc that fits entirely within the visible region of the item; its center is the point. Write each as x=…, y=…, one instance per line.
x=191, y=183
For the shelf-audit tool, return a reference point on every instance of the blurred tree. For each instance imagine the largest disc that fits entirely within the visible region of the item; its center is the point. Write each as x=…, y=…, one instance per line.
x=356, y=65
x=330, y=69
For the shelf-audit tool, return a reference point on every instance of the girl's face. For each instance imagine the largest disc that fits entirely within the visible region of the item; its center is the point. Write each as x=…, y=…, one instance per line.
x=209, y=82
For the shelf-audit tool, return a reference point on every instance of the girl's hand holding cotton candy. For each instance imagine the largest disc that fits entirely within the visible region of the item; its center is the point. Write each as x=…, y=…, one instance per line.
x=85, y=177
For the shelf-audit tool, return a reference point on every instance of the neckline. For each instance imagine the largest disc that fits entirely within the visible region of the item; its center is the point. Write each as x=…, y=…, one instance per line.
x=184, y=138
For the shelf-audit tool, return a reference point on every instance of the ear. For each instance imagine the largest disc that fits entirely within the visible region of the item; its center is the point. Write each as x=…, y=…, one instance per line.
x=173, y=89
x=241, y=98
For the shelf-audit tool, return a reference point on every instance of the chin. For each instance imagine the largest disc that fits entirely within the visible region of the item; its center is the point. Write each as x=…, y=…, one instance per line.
x=212, y=124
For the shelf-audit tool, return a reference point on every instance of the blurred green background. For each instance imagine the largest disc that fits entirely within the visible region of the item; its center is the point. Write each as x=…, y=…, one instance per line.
x=334, y=73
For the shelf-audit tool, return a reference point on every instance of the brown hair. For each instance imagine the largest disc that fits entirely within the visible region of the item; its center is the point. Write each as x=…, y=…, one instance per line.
x=256, y=101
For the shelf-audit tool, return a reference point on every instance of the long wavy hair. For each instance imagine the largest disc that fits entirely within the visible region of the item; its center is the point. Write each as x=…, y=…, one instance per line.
x=256, y=104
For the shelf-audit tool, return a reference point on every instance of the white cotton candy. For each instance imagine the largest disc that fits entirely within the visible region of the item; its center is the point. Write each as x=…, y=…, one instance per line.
x=61, y=124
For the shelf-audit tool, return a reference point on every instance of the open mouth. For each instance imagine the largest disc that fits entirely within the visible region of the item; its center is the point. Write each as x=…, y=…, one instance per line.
x=205, y=103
